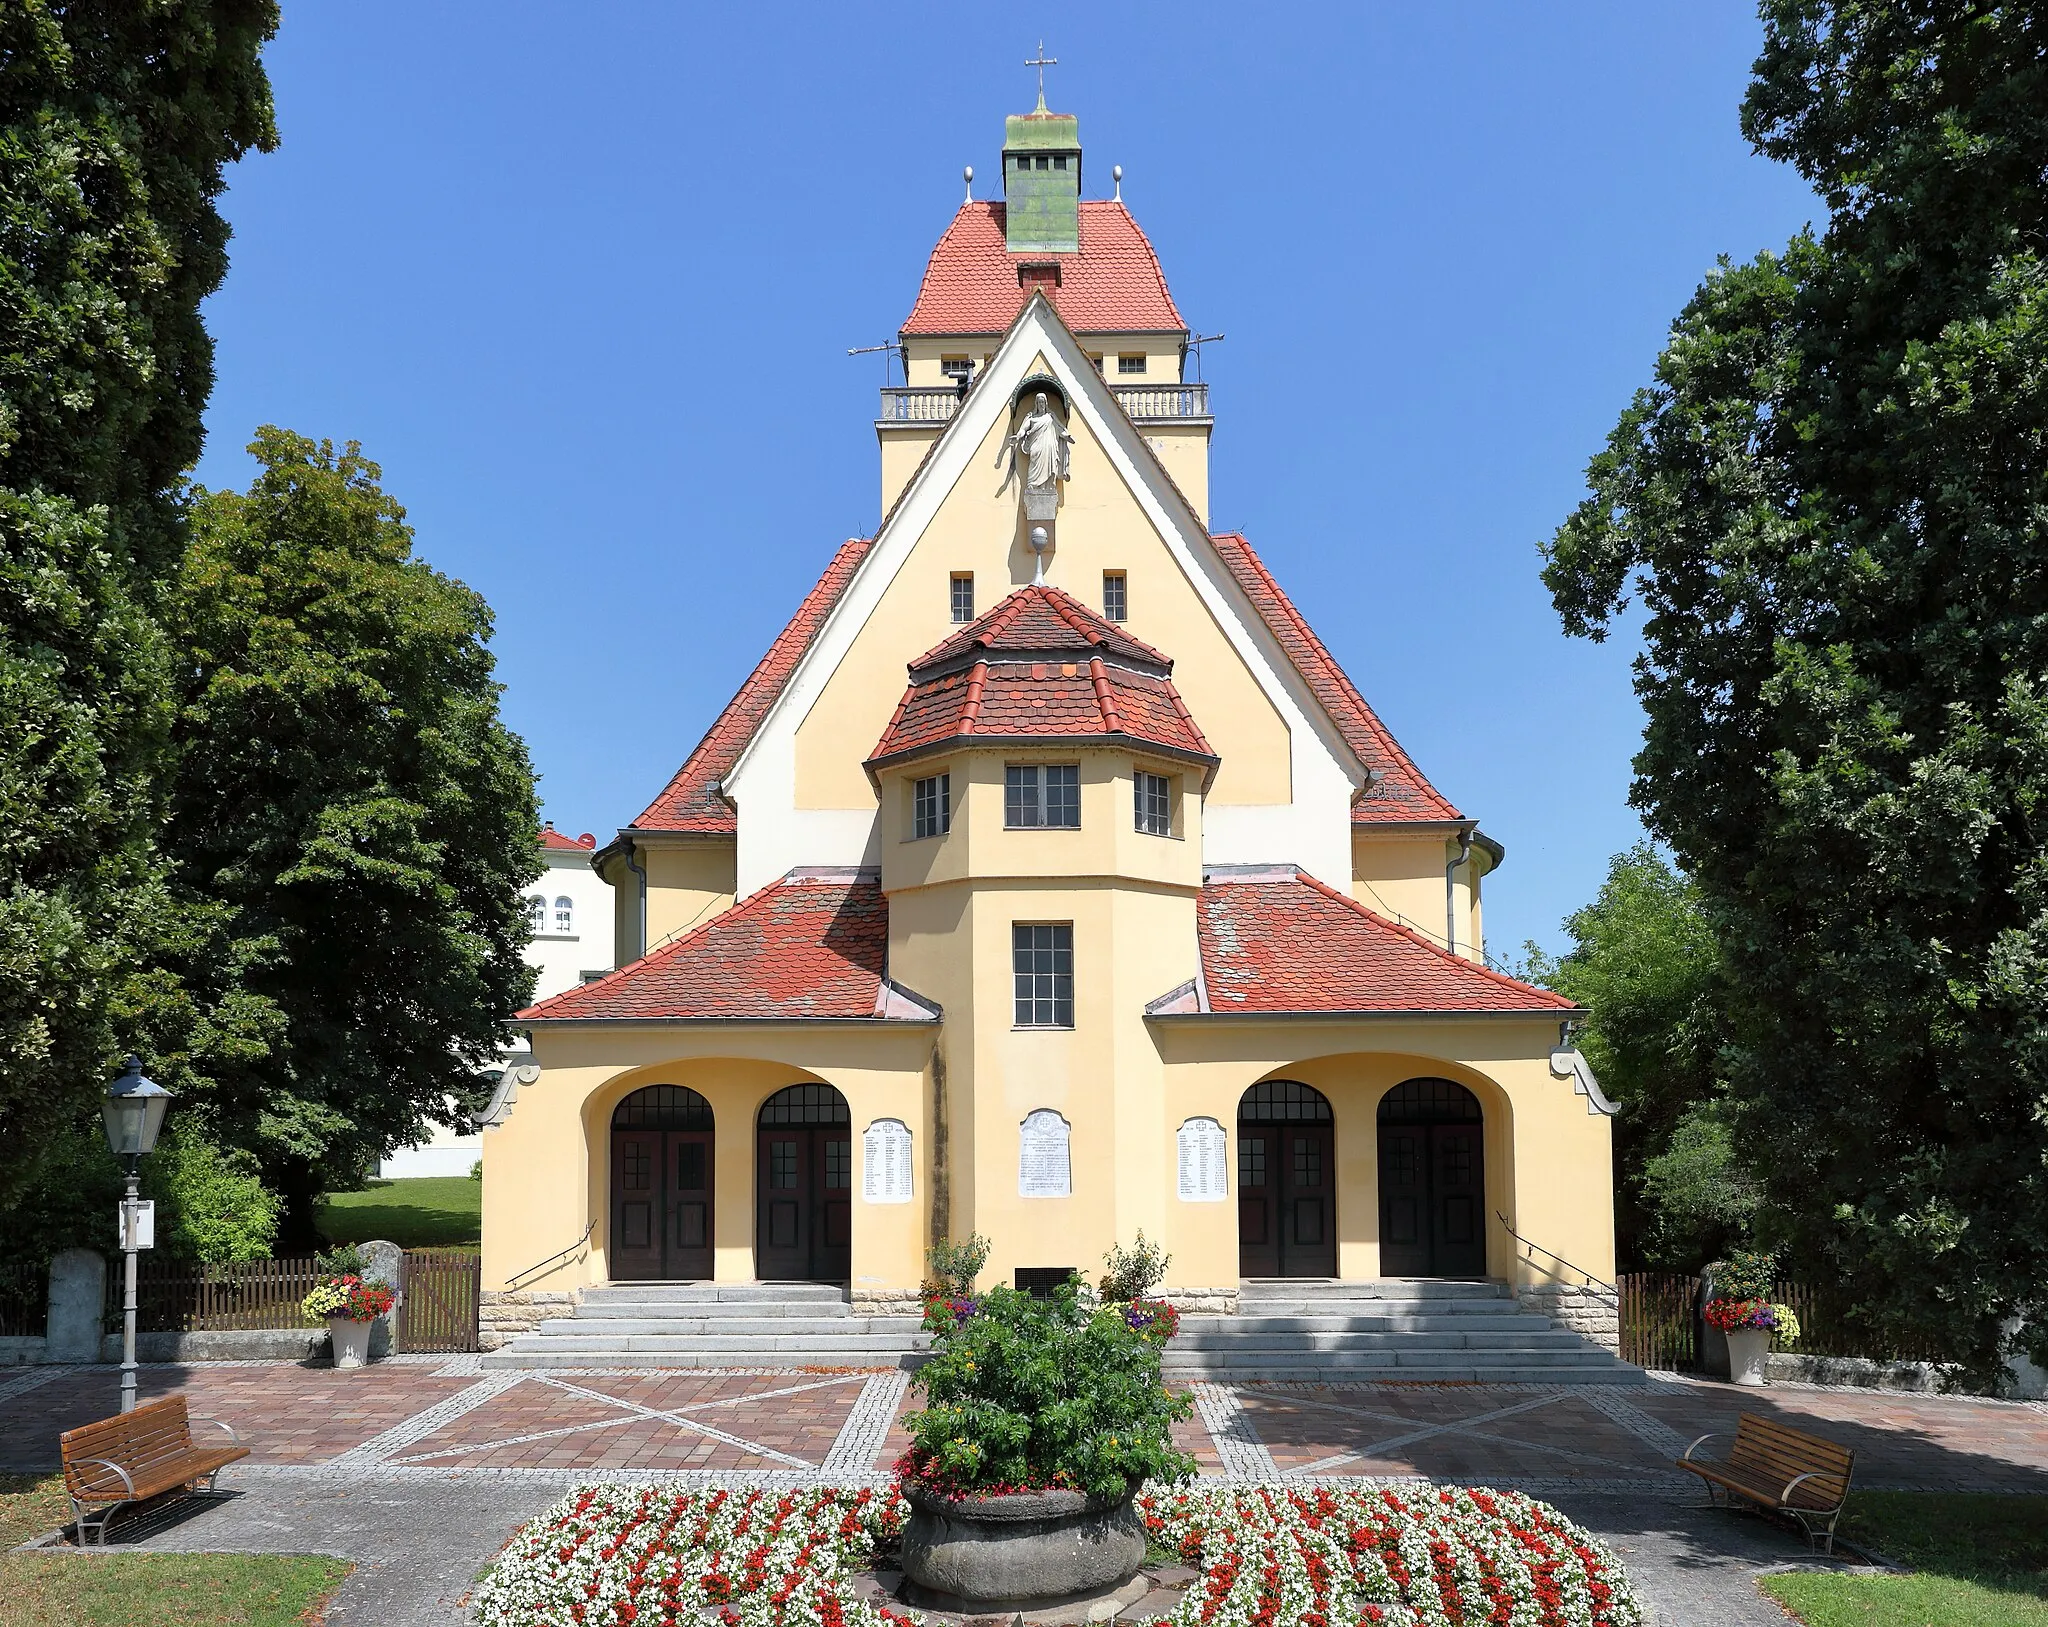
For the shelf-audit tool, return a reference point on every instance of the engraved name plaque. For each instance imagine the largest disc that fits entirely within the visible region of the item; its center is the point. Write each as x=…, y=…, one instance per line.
x=885, y=1162
x=1044, y=1168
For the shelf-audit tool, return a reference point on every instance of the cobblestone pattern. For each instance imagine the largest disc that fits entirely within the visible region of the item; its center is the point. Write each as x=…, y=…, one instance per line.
x=1589, y=1312
x=506, y=1313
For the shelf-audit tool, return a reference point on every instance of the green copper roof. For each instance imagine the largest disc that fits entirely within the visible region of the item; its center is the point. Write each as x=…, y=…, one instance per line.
x=1041, y=130
x=1042, y=183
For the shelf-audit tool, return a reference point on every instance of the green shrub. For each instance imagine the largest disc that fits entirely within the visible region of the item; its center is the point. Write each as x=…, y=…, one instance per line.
x=346, y=1261
x=476, y=1170
x=1132, y=1273
x=214, y=1206
x=1025, y=1393
x=1746, y=1274
x=954, y=1266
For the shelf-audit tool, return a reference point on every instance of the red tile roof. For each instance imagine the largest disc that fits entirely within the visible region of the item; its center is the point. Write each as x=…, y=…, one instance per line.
x=1112, y=284
x=555, y=842
x=1039, y=620
x=1399, y=793
x=803, y=947
x=689, y=803
x=1041, y=665
x=1284, y=942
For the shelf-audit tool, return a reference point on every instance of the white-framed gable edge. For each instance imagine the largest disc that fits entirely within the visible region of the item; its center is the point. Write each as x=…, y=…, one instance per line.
x=1312, y=829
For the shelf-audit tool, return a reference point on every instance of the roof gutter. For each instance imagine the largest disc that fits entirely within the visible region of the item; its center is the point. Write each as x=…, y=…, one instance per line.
x=733, y=1022
x=1546, y=1015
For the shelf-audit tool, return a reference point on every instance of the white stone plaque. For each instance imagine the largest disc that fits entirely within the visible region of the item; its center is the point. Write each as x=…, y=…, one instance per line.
x=1204, y=1162
x=885, y=1162
x=1044, y=1167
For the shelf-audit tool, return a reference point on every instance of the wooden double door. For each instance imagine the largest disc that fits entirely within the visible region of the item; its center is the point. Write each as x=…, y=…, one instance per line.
x=1286, y=1200
x=1432, y=1182
x=803, y=1186
x=661, y=1205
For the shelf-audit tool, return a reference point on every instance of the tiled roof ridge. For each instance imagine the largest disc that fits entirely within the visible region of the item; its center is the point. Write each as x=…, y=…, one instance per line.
x=987, y=629
x=1354, y=717
x=751, y=702
x=1438, y=950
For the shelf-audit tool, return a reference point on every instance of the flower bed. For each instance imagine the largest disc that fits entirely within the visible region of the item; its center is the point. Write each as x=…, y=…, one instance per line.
x=1270, y=1556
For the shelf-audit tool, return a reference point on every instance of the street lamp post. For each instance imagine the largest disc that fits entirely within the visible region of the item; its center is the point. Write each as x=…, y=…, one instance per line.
x=134, y=1112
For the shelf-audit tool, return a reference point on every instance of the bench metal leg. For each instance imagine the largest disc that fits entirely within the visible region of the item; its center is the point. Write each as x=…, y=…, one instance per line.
x=89, y=1528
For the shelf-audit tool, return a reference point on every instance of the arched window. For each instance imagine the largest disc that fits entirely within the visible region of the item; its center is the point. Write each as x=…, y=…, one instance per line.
x=565, y=916
x=536, y=915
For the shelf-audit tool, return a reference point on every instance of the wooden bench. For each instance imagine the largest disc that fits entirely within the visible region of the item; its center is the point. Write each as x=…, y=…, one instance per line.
x=1781, y=1468
x=139, y=1454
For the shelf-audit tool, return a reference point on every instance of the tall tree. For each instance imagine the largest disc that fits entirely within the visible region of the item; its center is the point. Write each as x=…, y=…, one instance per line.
x=117, y=119
x=352, y=826
x=1833, y=503
x=1645, y=960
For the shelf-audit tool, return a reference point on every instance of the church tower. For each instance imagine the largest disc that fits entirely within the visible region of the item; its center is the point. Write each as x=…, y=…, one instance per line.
x=1096, y=267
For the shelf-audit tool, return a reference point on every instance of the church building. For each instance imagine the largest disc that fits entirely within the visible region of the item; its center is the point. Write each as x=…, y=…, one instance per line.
x=1049, y=880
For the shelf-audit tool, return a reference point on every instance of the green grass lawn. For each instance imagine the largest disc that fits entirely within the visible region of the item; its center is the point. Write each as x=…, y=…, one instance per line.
x=429, y=1211
x=1979, y=1561
x=146, y=1590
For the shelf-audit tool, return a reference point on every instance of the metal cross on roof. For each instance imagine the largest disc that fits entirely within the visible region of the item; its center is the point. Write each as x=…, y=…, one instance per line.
x=1041, y=62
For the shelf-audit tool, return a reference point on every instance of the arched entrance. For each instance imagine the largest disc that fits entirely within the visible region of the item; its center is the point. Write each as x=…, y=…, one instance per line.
x=803, y=1186
x=661, y=1186
x=1432, y=1181
x=1286, y=1182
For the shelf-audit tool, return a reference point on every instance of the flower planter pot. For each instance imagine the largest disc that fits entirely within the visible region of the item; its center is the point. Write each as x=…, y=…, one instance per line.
x=351, y=1341
x=985, y=1554
x=1747, y=1348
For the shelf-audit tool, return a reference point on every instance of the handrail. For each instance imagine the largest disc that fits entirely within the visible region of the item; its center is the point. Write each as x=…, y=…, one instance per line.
x=1591, y=1280
x=514, y=1280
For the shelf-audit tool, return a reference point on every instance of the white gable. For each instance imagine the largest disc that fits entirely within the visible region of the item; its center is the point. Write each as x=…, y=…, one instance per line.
x=1312, y=830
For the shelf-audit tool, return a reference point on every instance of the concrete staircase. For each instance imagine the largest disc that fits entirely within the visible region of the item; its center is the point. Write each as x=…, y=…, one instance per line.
x=1325, y=1332
x=742, y=1324
x=1304, y=1331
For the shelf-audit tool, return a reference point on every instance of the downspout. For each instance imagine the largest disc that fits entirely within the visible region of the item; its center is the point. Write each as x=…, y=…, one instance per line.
x=633, y=864
x=1451, y=889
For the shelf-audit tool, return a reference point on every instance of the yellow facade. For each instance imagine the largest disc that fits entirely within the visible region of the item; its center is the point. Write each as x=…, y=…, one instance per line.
x=947, y=1060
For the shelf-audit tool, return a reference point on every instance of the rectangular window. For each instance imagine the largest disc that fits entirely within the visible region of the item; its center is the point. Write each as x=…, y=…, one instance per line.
x=1116, y=598
x=1044, y=162
x=1047, y=797
x=1043, y=959
x=838, y=1165
x=1097, y=360
x=956, y=367
x=963, y=596
x=1059, y=161
x=1154, y=796
x=782, y=1166
x=1130, y=364
x=1251, y=1160
x=931, y=806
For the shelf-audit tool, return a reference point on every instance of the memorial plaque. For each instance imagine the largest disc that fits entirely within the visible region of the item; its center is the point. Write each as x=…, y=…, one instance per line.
x=1044, y=1169
x=885, y=1162
x=1204, y=1162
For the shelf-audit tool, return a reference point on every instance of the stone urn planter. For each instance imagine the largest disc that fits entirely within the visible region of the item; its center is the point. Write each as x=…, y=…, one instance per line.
x=351, y=1341
x=986, y=1554
x=1747, y=1348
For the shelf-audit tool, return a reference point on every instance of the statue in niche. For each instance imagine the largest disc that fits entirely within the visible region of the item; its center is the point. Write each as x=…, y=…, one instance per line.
x=1037, y=455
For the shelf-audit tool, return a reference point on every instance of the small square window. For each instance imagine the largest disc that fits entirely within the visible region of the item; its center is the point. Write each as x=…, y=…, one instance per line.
x=1042, y=958
x=963, y=596
x=1116, y=602
x=1047, y=797
x=1154, y=799
x=1128, y=365
x=1059, y=161
x=1044, y=162
x=957, y=367
x=931, y=806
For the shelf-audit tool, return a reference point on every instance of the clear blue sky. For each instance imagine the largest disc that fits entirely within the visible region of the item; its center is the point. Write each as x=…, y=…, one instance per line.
x=582, y=278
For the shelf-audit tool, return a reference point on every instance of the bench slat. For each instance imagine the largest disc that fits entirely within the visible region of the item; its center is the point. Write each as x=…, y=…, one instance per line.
x=153, y=1444
x=1768, y=1456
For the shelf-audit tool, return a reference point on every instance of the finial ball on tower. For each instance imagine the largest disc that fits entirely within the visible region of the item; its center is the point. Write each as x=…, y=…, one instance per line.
x=967, y=175
x=1116, y=174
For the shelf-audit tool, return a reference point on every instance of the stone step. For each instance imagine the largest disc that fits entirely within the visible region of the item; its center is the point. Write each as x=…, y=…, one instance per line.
x=1517, y=1339
x=837, y=1343
x=1293, y=1288
x=514, y=1358
x=718, y=1327
x=1419, y=1317
x=719, y=1293
x=1487, y=1373
x=1584, y=1355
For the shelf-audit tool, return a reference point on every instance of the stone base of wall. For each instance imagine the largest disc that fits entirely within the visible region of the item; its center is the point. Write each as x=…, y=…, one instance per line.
x=1591, y=1313
x=238, y=1344
x=21, y=1350
x=1852, y=1372
x=1202, y=1301
x=506, y=1313
x=887, y=1302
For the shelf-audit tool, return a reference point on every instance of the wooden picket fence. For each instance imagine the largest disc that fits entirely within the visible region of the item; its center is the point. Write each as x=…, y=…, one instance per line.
x=441, y=1309
x=443, y=1300
x=1657, y=1327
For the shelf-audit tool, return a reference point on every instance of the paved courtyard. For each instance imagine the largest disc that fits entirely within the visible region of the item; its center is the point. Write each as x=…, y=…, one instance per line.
x=420, y=1467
